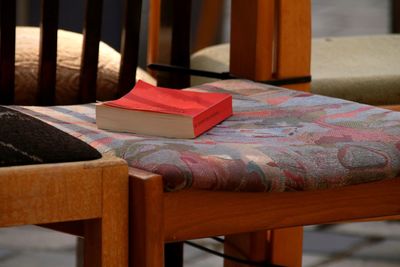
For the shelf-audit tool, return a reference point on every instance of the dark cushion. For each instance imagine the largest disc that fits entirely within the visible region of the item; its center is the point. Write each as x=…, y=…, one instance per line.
x=25, y=140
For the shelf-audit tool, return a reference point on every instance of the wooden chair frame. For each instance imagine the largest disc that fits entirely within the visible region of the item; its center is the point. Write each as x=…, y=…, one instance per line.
x=89, y=199
x=269, y=40
x=159, y=217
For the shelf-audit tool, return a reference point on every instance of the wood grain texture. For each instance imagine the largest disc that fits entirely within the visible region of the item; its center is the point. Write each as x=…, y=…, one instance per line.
x=146, y=219
x=87, y=198
x=286, y=246
x=252, y=39
x=294, y=40
x=115, y=216
x=45, y=194
x=258, y=211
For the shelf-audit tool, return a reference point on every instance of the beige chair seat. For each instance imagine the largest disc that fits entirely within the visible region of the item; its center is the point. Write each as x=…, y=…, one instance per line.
x=364, y=69
x=68, y=64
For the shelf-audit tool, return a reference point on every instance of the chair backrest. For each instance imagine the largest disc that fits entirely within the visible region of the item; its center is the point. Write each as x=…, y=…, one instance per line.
x=270, y=39
x=48, y=49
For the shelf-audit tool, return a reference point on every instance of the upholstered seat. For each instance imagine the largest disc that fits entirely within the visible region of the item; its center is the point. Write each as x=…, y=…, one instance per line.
x=277, y=140
x=364, y=69
x=25, y=140
x=68, y=67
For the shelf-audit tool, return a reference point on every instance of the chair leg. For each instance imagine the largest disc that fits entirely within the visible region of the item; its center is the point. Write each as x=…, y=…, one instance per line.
x=249, y=246
x=92, y=252
x=146, y=241
x=281, y=247
x=174, y=254
x=79, y=251
x=286, y=246
x=106, y=238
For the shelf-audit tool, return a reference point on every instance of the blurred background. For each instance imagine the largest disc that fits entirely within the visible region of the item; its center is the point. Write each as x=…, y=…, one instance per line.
x=330, y=18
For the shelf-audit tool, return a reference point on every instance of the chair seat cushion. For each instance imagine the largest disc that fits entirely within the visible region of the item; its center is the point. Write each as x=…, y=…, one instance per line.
x=364, y=69
x=276, y=140
x=68, y=67
x=25, y=140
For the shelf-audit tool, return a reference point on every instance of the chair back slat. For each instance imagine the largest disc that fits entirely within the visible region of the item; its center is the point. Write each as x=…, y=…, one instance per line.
x=7, y=51
x=252, y=39
x=48, y=52
x=395, y=16
x=129, y=45
x=90, y=51
x=294, y=40
x=169, y=39
x=180, y=45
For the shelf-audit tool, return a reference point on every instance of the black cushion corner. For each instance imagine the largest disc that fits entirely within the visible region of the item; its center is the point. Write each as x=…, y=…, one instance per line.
x=26, y=140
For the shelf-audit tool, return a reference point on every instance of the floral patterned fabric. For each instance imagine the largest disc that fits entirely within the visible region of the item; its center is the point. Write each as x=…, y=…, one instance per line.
x=277, y=140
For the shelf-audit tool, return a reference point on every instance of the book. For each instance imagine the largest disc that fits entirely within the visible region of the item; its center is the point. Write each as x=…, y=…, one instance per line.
x=158, y=111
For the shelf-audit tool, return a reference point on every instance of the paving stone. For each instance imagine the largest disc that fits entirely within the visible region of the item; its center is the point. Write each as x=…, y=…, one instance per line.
x=41, y=259
x=310, y=260
x=324, y=242
x=387, y=229
x=4, y=253
x=384, y=251
x=194, y=256
x=358, y=263
x=33, y=237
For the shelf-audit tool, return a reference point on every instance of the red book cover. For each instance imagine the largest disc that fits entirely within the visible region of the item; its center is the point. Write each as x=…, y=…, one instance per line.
x=205, y=109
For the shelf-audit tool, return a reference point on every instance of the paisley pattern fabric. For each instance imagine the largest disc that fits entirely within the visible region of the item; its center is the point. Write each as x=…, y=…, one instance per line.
x=277, y=140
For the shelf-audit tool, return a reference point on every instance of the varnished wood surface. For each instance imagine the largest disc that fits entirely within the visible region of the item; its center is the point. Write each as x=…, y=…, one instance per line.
x=47, y=193
x=196, y=214
x=87, y=198
x=153, y=31
x=392, y=107
x=7, y=51
x=48, y=52
x=252, y=39
x=146, y=219
x=129, y=45
x=250, y=246
x=257, y=211
x=294, y=40
x=115, y=217
x=90, y=51
x=286, y=246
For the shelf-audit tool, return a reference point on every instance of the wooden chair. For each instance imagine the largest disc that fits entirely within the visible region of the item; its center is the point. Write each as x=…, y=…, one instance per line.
x=86, y=198
x=357, y=68
x=269, y=41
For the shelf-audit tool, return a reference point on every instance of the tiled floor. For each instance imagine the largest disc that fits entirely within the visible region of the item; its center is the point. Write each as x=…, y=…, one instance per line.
x=352, y=245
x=372, y=244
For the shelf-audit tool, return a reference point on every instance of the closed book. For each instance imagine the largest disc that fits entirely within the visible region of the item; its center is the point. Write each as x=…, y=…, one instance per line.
x=158, y=111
